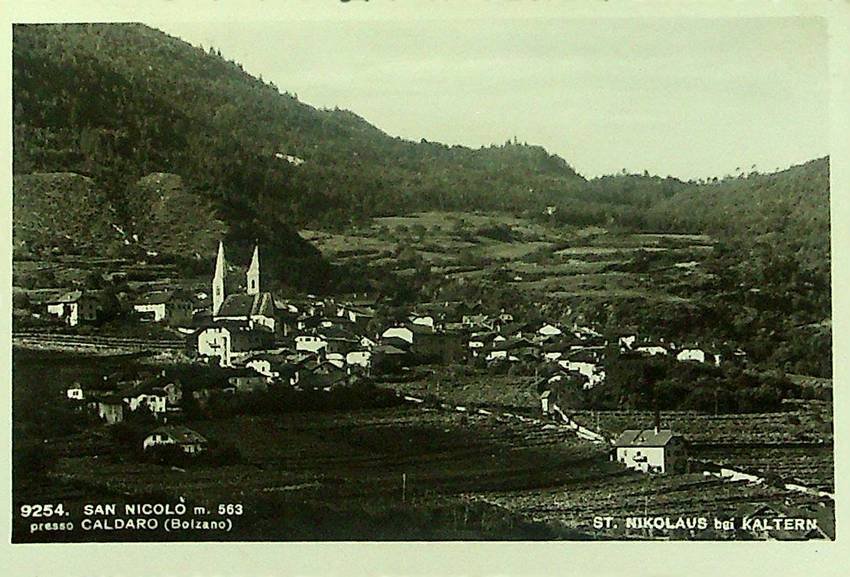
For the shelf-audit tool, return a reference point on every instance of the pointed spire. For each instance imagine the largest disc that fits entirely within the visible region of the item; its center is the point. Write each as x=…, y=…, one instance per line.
x=218, y=291
x=253, y=275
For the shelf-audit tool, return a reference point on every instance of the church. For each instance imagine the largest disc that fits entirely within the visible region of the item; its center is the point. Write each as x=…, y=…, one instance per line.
x=254, y=306
x=242, y=323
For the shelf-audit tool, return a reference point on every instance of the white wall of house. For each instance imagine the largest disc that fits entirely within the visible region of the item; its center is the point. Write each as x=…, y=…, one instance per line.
x=110, y=413
x=215, y=342
x=360, y=358
x=336, y=359
x=263, y=320
x=425, y=321
x=310, y=343
x=75, y=393
x=158, y=439
x=158, y=311
x=691, y=355
x=594, y=373
x=643, y=459
x=74, y=313
x=155, y=403
x=261, y=366
x=652, y=350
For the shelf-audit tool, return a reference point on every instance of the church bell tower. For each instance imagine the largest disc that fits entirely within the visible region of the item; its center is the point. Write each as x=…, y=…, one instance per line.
x=218, y=280
x=253, y=275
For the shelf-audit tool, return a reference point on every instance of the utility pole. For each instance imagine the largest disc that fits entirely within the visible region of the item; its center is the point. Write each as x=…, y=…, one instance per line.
x=403, y=487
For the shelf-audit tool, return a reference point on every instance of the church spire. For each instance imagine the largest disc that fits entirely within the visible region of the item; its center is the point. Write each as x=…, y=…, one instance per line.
x=254, y=273
x=218, y=280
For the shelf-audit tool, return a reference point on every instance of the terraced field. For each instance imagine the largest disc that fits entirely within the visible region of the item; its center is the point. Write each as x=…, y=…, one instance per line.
x=559, y=263
x=810, y=422
x=669, y=496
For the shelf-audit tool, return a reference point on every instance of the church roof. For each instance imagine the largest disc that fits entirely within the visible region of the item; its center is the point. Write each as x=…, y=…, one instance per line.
x=243, y=305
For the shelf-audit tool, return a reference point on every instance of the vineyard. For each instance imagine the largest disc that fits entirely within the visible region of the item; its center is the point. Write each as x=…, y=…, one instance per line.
x=673, y=496
x=408, y=460
x=811, y=467
x=805, y=423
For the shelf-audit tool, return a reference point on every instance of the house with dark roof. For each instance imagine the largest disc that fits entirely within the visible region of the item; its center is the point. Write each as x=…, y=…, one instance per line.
x=231, y=341
x=172, y=307
x=650, y=450
x=110, y=408
x=75, y=307
x=387, y=358
x=190, y=441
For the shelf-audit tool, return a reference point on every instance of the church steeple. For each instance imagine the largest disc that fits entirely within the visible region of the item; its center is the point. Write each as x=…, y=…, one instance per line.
x=218, y=280
x=253, y=275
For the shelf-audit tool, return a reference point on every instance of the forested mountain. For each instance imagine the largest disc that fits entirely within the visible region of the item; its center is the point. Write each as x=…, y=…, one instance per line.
x=119, y=101
x=789, y=207
x=149, y=122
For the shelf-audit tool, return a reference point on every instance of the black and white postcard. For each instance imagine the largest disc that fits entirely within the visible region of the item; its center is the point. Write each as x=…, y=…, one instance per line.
x=447, y=272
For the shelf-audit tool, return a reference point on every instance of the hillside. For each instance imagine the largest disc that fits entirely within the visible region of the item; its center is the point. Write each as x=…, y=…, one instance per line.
x=60, y=214
x=61, y=211
x=119, y=101
x=790, y=207
x=121, y=105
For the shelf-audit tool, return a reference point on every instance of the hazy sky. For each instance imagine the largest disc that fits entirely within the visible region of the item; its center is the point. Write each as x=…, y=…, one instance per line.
x=687, y=97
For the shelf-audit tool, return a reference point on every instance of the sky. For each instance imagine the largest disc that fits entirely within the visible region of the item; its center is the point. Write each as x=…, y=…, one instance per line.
x=687, y=97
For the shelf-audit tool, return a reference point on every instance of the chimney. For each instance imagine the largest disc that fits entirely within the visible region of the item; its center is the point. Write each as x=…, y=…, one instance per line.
x=657, y=424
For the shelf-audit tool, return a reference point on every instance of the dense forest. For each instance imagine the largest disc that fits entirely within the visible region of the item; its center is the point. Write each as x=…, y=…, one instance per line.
x=118, y=102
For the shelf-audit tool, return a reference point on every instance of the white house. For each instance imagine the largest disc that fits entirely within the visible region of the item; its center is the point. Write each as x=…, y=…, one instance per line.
x=691, y=355
x=74, y=307
x=111, y=410
x=652, y=350
x=310, y=343
x=546, y=402
x=649, y=451
x=154, y=401
x=191, y=442
x=75, y=392
x=360, y=358
x=336, y=359
x=165, y=306
x=595, y=373
x=475, y=345
x=699, y=355
x=627, y=341
x=232, y=342
x=214, y=341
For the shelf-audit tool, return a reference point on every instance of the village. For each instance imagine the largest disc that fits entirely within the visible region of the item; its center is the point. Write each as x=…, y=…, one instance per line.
x=256, y=343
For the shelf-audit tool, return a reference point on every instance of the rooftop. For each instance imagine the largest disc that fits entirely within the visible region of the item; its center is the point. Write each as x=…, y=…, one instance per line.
x=644, y=438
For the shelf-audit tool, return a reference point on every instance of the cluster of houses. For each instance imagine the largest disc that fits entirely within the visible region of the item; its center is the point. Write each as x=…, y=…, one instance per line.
x=114, y=400
x=320, y=343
